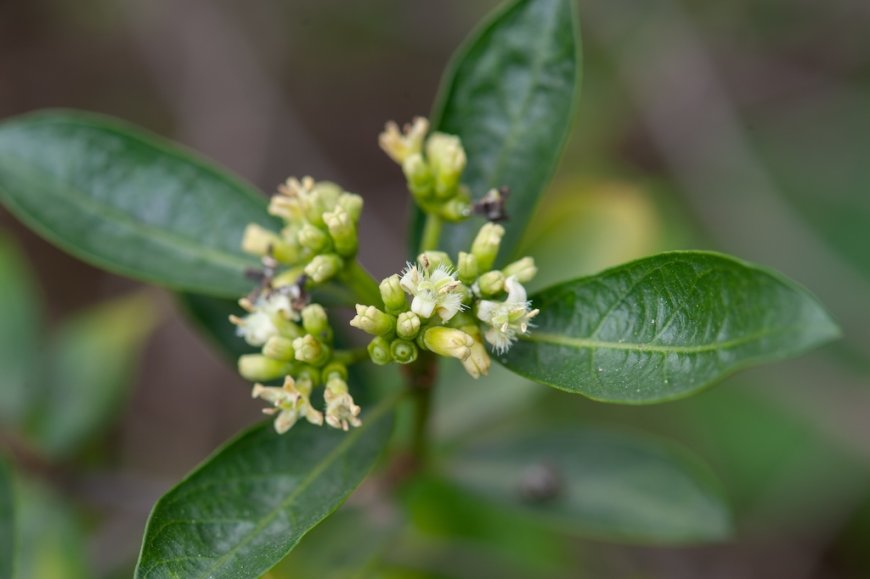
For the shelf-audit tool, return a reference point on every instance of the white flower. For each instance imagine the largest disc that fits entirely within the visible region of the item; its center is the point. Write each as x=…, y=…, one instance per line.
x=341, y=411
x=264, y=318
x=290, y=403
x=506, y=319
x=433, y=292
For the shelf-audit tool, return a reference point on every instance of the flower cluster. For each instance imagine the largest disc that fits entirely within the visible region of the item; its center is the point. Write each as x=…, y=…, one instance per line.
x=319, y=236
x=451, y=309
x=433, y=167
x=317, y=243
x=296, y=345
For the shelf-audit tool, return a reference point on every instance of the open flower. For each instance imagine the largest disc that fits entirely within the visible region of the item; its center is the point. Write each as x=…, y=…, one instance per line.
x=399, y=145
x=341, y=412
x=433, y=292
x=289, y=402
x=506, y=319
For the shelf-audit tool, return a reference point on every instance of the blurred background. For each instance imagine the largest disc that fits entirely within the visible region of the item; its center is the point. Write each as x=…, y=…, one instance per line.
x=740, y=126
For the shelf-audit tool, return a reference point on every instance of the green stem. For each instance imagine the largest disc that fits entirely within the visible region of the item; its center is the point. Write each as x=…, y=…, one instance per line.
x=348, y=357
x=420, y=378
x=364, y=287
x=431, y=233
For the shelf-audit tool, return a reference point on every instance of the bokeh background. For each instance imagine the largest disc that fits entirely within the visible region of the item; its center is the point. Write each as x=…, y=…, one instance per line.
x=740, y=126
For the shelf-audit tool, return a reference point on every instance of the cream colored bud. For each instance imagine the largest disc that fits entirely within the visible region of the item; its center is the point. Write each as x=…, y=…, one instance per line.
x=261, y=242
x=467, y=270
x=310, y=350
x=524, y=270
x=342, y=229
x=448, y=342
x=324, y=267
x=315, y=321
x=393, y=295
x=477, y=364
x=279, y=348
x=408, y=325
x=491, y=283
x=446, y=157
x=259, y=368
x=432, y=260
x=373, y=321
x=313, y=238
x=352, y=203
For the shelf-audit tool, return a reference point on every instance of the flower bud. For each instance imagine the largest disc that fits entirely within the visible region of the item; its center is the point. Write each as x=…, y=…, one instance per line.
x=310, y=350
x=456, y=209
x=403, y=351
x=432, y=260
x=342, y=230
x=352, y=203
x=323, y=267
x=408, y=325
x=279, y=348
x=260, y=241
x=259, y=368
x=379, y=351
x=373, y=321
x=335, y=369
x=399, y=145
x=478, y=363
x=524, y=270
x=486, y=244
x=393, y=295
x=467, y=270
x=447, y=159
x=418, y=175
x=448, y=342
x=313, y=238
x=315, y=322
x=490, y=283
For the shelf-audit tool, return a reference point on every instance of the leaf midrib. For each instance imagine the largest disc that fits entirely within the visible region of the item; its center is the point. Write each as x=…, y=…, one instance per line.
x=591, y=344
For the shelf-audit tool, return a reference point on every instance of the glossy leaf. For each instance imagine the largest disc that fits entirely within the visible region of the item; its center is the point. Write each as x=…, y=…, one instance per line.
x=509, y=96
x=127, y=201
x=7, y=521
x=248, y=505
x=19, y=333
x=90, y=363
x=598, y=483
x=664, y=327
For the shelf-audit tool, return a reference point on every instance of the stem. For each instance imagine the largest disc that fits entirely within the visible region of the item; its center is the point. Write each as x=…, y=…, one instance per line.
x=364, y=287
x=420, y=378
x=349, y=357
x=431, y=233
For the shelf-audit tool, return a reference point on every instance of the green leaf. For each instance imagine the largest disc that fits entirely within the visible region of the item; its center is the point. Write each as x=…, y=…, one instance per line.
x=7, y=521
x=19, y=333
x=509, y=95
x=598, y=483
x=127, y=201
x=89, y=365
x=248, y=505
x=665, y=327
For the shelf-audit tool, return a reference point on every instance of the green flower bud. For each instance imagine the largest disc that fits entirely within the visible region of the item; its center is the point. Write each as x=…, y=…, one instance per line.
x=379, y=351
x=324, y=267
x=403, y=351
x=447, y=159
x=408, y=325
x=448, y=342
x=335, y=368
x=310, y=350
x=491, y=283
x=393, y=294
x=524, y=270
x=313, y=238
x=315, y=322
x=373, y=321
x=467, y=270
x=456, y=209
x=259, y=368
x=432, y=260
x=342, y=229
x=418, y=175
x=486, y=244
x=352, y=203
x=279, y=348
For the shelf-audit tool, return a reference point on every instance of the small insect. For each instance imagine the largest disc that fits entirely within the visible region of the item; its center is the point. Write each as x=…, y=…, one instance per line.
x=492, y=205
x=540, y=483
